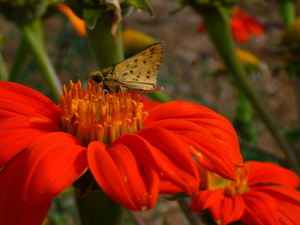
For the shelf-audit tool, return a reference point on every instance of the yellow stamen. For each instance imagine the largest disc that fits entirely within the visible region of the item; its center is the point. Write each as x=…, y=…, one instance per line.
x=213, y=181
x=90, y=118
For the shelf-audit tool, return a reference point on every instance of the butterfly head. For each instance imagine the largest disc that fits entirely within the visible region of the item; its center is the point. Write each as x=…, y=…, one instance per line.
x=96, y=78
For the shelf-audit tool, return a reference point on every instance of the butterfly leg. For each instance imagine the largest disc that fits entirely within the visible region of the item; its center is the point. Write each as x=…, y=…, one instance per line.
x=103, y=95
x=122, y=92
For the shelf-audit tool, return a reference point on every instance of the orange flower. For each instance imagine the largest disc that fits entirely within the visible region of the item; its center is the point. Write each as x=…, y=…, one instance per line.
x=242, y=25
x=263, y=194
x=77, y=23
x=128, y=145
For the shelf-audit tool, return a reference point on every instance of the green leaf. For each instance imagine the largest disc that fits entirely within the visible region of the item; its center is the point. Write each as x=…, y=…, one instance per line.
x=140, y=4
x=91, y=15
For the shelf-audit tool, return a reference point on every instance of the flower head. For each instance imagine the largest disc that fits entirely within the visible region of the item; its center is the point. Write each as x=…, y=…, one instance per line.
x=128, y=143
x=242, y=25
x=262, y=194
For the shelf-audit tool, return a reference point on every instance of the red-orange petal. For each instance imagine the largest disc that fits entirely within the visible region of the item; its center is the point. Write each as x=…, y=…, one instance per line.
x=18, y=100
x=13, y=210
x=255, y=26
x=167, y=187
x=124, y=175
x=173, y=159
x=149, y=105
x=288, y=214
x=228, y=210
x=279, y=192
x=260, y=209
x=204, y=199
x=239, y=30
x=243, y=24
x=214, y=123
x=53, y=162
x=77, y=23
x=210, y=154
x=224, y=133
x=178, y=110
x=17, y=132
x=269, y=173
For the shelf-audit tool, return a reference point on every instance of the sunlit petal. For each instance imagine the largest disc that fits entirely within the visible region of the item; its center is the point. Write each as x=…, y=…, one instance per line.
x=16, y=136
x=18, y=100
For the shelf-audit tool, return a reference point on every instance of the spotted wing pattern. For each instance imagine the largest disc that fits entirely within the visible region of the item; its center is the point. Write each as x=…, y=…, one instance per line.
x=156, y=53
x=139, y=72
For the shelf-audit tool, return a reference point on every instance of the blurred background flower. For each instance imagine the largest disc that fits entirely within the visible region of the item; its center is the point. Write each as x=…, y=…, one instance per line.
x=242, y=25
x=264, y=193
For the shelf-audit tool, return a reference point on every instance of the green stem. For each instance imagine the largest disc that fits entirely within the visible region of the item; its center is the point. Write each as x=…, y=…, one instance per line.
x=23, y=52
x=159, y=96
x=19, y=60
x=244, y=119
x=97, y=208
x=3, y=70
x=106, y=51
x=288, y=11
x=219, y=31
x=40, y=56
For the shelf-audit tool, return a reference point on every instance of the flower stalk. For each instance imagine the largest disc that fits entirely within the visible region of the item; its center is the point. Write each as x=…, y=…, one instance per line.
x=191, y=216
x=97, y=208
x=19, y=60
x=288, y=11
x=159, y=96
x=3, y=70
x=31, y=32
x=217, y=25
x=106, y=50
x=23, y=51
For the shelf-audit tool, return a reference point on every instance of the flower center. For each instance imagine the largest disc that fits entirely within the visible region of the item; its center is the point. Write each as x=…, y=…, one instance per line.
x=91, y=117
x=240, y=186
x=213, y=181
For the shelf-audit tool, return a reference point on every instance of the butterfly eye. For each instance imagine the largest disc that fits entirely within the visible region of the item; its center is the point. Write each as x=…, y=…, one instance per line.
x=97, y=78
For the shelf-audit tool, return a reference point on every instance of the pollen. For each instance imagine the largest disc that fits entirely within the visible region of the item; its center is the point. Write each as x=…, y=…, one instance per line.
x=90, y=116
x=213, y=181
x=240, y=186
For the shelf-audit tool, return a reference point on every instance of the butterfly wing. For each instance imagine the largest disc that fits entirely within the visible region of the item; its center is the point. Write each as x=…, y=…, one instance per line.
x=156, y=54
x=139, y=72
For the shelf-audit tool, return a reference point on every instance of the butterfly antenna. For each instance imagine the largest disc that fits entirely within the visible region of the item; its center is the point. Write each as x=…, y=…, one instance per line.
x=78, y=75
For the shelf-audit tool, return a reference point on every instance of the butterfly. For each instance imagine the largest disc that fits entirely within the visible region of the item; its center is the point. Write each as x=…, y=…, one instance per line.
x=137, y=74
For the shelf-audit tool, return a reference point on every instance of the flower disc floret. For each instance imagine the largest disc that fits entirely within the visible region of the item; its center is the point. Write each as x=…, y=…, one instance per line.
x=90, y=116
